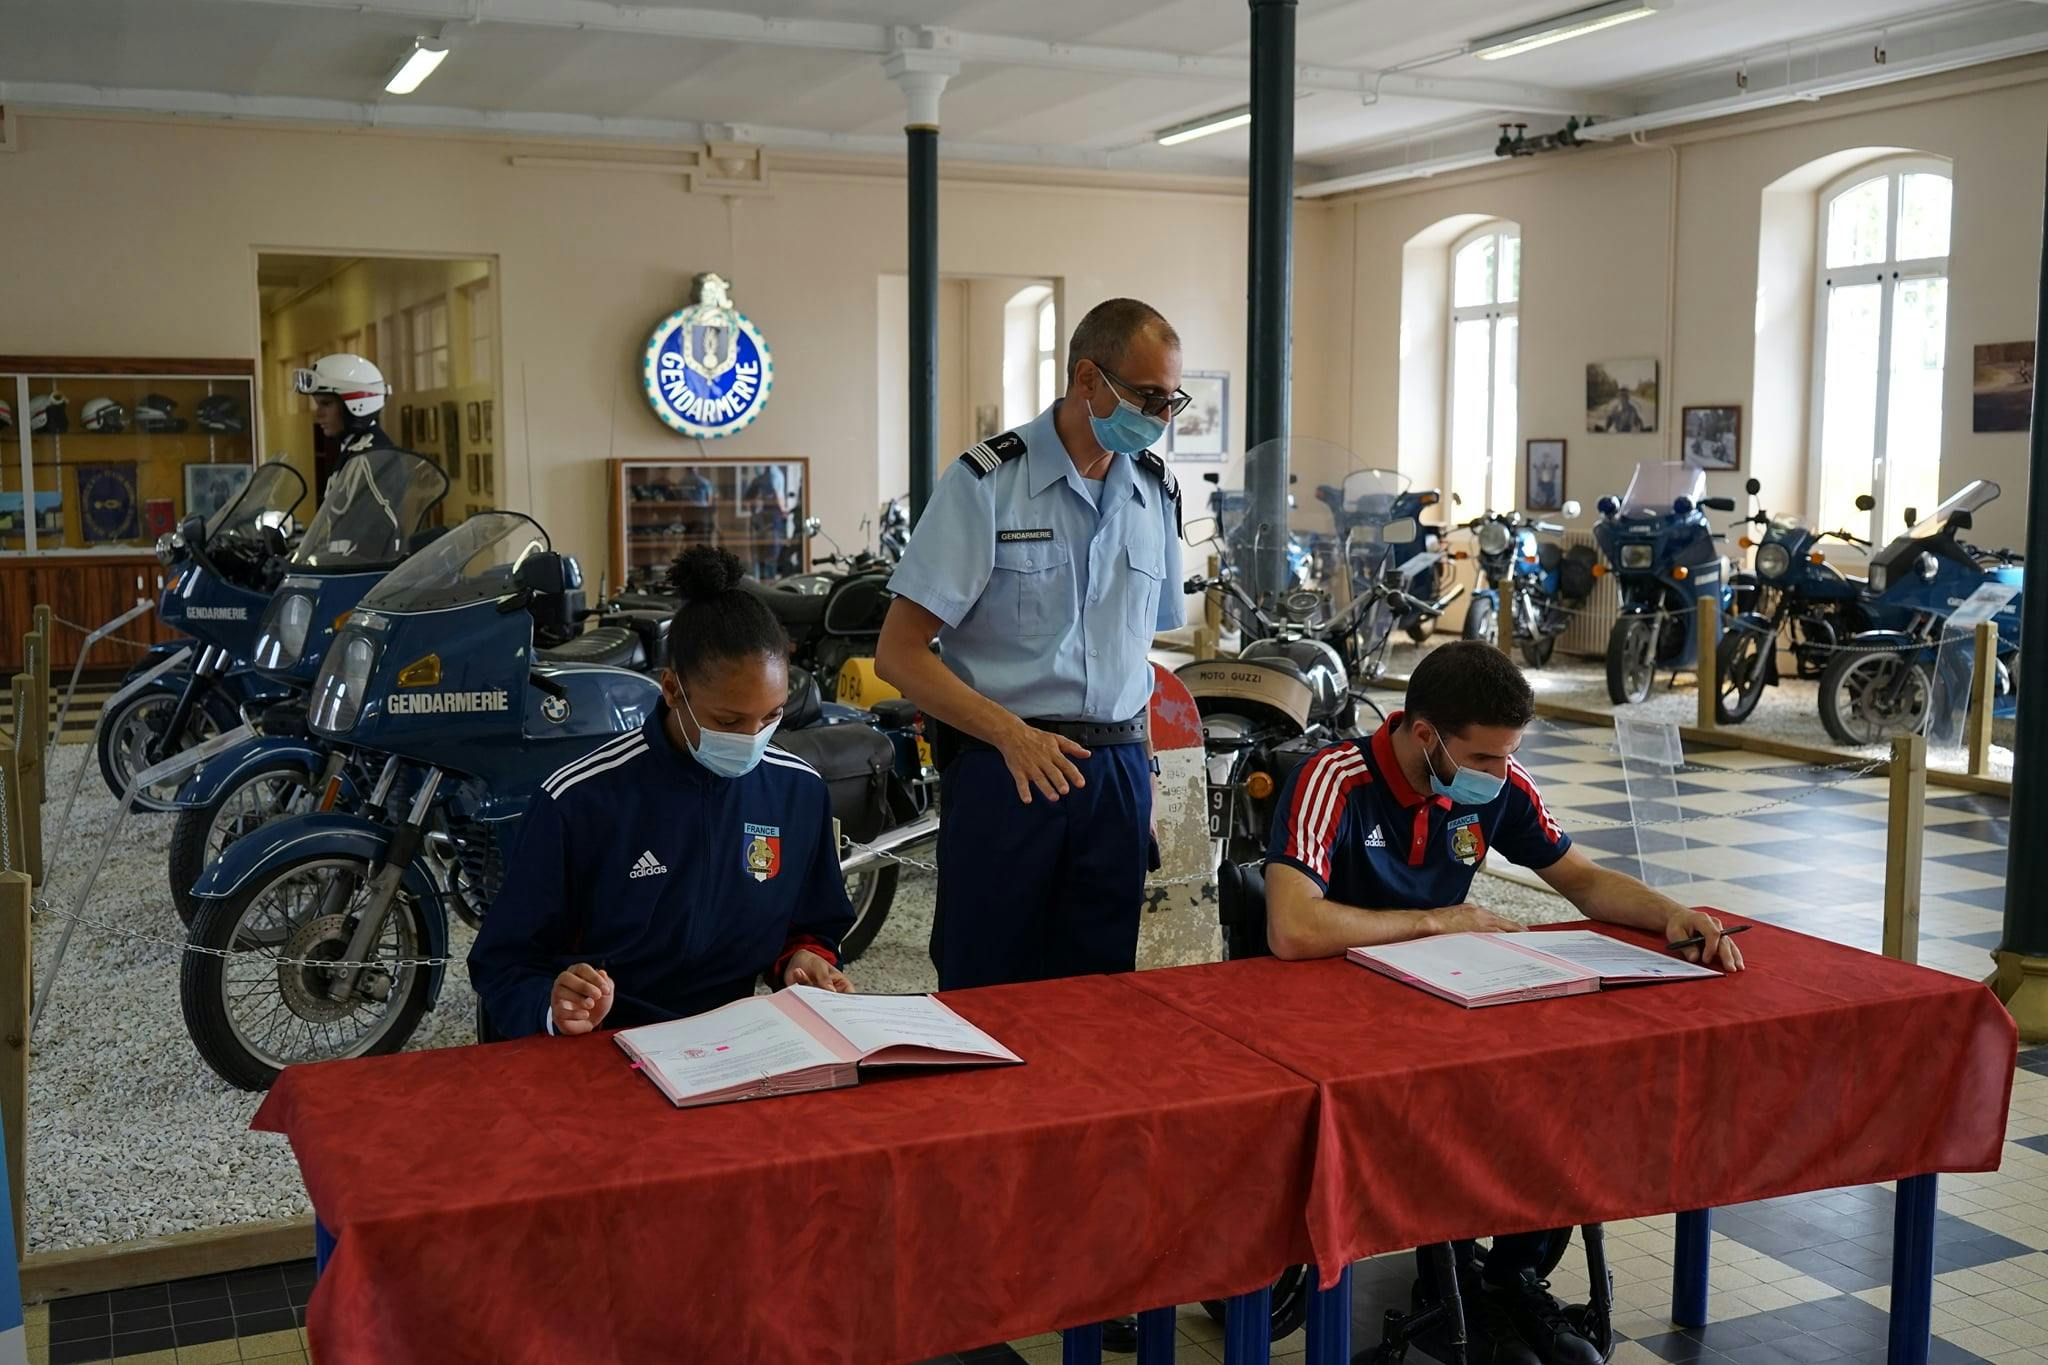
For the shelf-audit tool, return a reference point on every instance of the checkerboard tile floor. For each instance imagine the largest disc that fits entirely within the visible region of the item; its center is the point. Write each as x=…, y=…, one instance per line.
x=1795, y=1281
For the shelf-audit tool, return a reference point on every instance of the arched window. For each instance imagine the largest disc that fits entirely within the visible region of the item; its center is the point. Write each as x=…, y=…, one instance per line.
x=1485, y=297
x=1031, y=378
x=1880, y=330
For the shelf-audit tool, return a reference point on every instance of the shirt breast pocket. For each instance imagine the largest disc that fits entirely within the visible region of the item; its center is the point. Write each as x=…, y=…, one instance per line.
x=1031, y=590
x=1141, y=590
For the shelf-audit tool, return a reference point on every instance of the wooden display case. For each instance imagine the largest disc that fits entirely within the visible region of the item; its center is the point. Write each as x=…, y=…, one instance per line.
x=659, y=508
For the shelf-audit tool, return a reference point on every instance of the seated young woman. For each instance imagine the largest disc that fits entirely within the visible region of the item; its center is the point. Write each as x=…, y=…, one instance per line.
x=663, y=873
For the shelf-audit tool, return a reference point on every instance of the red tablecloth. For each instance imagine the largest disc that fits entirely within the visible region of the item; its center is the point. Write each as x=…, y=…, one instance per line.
x=539, y=1201
x=1820, y=1066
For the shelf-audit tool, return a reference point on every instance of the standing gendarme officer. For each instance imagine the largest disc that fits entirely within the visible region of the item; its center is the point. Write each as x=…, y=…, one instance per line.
x=1045, y=561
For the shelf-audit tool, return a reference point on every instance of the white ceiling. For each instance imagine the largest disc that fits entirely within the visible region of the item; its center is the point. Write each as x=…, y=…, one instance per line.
x=1055, y=81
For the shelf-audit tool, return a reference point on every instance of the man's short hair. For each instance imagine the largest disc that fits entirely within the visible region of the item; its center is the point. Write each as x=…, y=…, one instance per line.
x=1105, y=334
x=1466, y=683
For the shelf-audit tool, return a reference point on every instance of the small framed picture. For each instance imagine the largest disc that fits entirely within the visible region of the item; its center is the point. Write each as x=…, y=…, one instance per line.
x=488, y=434
x=1713, y=436
x=1544, y=491
x=476, y=422
x=1202, y=431
x=405, y=432
x=476, y=476
x=490, y=480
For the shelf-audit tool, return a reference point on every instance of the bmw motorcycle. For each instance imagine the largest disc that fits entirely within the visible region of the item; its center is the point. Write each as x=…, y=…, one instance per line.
x=1801, y=597
x=374, y=514
x=1658, y=545
x=1881, y=683
x=1541, y=581
x=225, y=568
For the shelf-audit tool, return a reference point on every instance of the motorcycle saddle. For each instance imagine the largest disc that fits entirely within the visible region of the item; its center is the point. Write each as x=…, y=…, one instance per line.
x=805, y=706
x=791, y=608
x=610, y=646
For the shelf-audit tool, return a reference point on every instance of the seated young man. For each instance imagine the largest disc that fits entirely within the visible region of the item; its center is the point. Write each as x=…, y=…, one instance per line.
x=662, y=873
x=1377, y=841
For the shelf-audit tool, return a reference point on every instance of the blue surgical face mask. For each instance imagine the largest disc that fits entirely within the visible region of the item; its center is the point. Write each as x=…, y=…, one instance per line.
x=1127, y=430
x=725, y=753
x=1468, y=786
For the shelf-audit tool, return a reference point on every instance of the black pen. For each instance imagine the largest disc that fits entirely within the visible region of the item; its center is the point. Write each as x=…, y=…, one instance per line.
x=1700, y=941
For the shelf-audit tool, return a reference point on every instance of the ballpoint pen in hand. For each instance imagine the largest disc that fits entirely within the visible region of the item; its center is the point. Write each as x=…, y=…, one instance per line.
x=1700, y=941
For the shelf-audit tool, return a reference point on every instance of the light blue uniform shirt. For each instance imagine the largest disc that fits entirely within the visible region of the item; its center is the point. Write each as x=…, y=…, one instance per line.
x=1050, y=600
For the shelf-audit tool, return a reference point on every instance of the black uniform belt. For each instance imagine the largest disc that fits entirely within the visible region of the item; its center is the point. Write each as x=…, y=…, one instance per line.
x=1089, y=734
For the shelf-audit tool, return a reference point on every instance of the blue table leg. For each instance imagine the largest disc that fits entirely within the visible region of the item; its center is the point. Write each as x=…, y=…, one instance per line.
x=1156, y=1329
x=1081, y=1345
x=1248, y=1328
x=1912, y=1271
x=323, y=1247
x=1329, y=1323
x=1695, y=1239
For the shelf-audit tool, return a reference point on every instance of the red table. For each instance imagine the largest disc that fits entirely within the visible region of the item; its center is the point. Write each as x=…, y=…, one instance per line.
x=538, y=1201
x=1821, y=1066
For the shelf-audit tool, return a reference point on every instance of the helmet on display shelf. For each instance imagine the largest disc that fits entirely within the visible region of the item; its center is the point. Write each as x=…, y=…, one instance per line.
x=355, y=381
x=154, y=412
x=48, y=414
x=103, y=414
x=6, y=415
x=220, y=412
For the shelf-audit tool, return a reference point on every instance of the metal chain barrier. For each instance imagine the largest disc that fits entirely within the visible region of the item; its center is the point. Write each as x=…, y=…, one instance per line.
x=42, y=910
x=88, y=630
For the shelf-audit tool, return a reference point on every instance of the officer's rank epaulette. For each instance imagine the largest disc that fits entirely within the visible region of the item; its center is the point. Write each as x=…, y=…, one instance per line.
x=984, y=458
x=1152, y=464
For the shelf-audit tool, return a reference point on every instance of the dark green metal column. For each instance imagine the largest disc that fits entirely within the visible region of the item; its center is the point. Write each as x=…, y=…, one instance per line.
x=2022, y=976
x=1269, y=300
x=923, y=148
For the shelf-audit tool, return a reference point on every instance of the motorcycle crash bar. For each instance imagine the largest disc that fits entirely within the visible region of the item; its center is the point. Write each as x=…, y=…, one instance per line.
x=890, y=841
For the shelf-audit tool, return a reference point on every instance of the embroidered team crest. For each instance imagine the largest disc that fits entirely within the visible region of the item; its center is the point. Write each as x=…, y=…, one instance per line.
x=764, y=851
x=1468, y=846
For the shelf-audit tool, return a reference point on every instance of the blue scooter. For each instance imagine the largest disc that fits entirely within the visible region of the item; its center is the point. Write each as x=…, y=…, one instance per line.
x=1881, y=684
x=227, y=565
x=1659, y=546
x=436, y=670
x=375, y=512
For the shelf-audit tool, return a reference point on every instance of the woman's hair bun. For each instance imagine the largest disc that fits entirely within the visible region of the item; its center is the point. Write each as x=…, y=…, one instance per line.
x=704, y=571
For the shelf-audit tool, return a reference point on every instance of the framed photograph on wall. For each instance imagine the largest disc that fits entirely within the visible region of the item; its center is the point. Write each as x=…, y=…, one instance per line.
x=1713, y=437
x=476, y=423
x=405, y=432
x=489, y=435
x=210, y=487
x=1544, y=489
x=1621, y=395
x=2002, y=387
x=1202, y=431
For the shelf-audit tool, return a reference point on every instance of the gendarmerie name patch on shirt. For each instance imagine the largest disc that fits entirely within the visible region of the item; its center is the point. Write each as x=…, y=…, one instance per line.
x=1042, y=533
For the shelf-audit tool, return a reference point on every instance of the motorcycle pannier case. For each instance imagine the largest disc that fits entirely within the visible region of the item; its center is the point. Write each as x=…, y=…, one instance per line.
x=855, y=761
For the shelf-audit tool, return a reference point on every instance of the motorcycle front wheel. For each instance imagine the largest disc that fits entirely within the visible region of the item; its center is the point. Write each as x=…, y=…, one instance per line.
x=251, y=1014
x=1631, y=660
x=1865, y=700
x=1479, y=620
x=201, y=834
x=125, y=737
x=1743, y=662
x=872, y=890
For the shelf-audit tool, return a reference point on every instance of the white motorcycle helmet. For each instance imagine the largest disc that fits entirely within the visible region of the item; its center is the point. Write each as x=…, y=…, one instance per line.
x=355, y=381
x=103, y=415
x=6, y=415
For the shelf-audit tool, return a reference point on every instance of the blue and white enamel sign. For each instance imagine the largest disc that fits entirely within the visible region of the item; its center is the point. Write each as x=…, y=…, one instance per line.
x=707, y=370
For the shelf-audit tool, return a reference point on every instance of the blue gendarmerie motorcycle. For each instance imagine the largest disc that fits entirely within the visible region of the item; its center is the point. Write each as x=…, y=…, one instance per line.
x=226, y=567
x=1881, y=683
x=437, y=672
x=1800, y=596
x=374, y=513
x=1544, y=581
x=1416, y=565
x=1660, y=548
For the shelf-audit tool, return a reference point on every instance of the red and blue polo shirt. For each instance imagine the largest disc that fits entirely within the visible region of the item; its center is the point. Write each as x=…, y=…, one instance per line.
x=1351, y=821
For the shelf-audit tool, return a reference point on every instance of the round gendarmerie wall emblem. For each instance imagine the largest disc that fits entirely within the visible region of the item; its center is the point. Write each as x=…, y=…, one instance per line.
x=707, y=370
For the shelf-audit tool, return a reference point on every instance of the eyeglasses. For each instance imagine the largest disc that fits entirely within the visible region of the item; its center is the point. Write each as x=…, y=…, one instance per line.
x=1152, y=402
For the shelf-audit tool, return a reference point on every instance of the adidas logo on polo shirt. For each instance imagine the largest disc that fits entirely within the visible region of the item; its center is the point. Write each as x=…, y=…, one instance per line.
x=1375, y=839
x=648, y=866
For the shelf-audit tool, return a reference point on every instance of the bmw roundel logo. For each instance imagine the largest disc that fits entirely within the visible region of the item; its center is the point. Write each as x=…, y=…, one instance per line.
x=554, y=708
x=707, y=371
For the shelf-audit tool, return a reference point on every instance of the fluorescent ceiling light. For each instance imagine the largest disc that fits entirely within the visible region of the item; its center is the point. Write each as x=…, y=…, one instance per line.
x=1202, y=127
x=1576, y=24
x=412, y=72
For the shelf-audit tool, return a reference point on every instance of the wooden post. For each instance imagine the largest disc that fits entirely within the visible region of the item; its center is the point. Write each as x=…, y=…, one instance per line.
x=1504, y=617
x=12, y=808
x=1211, y=633
x=1983, y=684
x=1708, y=664
x=14, y=1005
x=32, y=721
x=1905, y=823
x=28, y=777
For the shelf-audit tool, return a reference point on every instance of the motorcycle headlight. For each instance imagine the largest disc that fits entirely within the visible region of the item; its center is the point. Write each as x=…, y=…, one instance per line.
x=1638, y=556
x=1772, y=560
x=166, y=547
x=1492, y=538
x=282, y=638
x=1878, y=574
x=343, y=683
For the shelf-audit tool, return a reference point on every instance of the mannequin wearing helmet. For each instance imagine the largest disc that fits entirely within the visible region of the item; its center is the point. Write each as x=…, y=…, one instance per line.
x=348, y=392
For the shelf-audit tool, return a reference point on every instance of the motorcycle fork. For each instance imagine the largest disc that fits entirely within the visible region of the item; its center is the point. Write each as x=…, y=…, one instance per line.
x=383, y=884
x=381, y=793
x=196, y=686
x=327, y=787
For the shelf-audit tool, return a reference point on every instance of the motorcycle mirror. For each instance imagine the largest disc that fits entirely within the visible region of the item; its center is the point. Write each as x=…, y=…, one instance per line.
x=1456, y=501
x=1571, y=508
x=1198, y=529
x=813, y=525
x=1752, y=488
x=1718, y=504
x=1864, y=502
x=1958, y=520
x=1212, y=477
x=1399, y=532
x=1913, y=515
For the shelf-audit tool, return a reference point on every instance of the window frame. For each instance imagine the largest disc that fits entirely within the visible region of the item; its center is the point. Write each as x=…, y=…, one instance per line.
x=480, y=302
x=1493, y=312
x=1045, y=380
x=422, y=348
x=1888, y=274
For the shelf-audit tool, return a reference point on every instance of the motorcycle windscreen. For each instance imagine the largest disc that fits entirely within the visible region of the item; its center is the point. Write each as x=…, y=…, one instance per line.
x=1652, y=756
x=476, y=562
x=373, y=508
x=266, y=500
x=1955, y=666
x=1657, y=484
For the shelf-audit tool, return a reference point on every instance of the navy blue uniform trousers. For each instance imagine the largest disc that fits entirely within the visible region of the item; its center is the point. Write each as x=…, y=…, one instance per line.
x=1049, y=889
